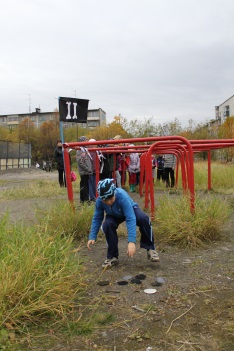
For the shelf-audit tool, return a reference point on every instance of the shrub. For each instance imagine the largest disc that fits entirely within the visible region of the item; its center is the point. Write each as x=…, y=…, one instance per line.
x=64, y=219
x=40, y=274
x=175, y=224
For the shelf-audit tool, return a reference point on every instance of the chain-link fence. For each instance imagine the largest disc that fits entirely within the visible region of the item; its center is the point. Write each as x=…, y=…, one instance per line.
x=14, y=155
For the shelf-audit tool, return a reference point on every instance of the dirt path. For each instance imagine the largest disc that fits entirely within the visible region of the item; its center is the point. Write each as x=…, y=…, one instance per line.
x=192, y=310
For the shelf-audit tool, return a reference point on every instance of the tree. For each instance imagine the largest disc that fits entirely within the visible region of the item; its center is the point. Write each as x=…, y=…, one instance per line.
x=4, y=132
x=226, y=131
x=26, y=131
x=48, y=136
x=170, y=128
x=141, y=129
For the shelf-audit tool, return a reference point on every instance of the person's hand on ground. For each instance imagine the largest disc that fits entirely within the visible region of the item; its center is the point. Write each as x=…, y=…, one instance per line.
x=131, y=249
x=90, y=242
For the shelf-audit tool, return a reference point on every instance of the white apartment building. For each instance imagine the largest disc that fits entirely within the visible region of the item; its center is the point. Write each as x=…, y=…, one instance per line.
x=226, y=109
x=95, y=118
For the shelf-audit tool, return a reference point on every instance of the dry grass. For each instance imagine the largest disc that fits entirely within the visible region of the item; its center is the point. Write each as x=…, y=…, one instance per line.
x=178, y=226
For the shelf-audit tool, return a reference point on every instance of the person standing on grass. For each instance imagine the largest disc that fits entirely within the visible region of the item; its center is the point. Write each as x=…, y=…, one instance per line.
x=118, y=207
x=153, y=161
x=160, y=168
x=92, y=177
x=169, y=170
x=133, y=166
x=58, y=157
x=85, y=170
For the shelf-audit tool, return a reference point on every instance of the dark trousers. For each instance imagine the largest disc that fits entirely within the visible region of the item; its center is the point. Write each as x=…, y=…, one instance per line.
x=169, y=173
x=92, y=186
x=84, y=188
x=61, y=178
x=160, y=174
x=111, y=224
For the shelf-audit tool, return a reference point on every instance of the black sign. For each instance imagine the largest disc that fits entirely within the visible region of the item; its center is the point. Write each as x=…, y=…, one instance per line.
x=73, y=110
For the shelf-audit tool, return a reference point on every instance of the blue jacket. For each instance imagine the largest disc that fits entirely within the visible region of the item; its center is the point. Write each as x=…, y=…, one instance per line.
x=122, y=208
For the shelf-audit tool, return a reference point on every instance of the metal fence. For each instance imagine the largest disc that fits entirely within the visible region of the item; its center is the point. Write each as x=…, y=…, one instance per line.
x=15, y=155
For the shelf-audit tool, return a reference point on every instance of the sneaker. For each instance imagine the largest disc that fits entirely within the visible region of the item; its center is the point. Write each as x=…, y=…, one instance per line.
x=152, y=255
x=110, y=262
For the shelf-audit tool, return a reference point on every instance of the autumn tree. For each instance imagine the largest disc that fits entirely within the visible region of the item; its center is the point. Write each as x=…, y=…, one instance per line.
x=142, y=128
x=226, y=131
x=4, y=133
x=26, y=131
x=48, y=136
x=106, y=132
x=170, y=128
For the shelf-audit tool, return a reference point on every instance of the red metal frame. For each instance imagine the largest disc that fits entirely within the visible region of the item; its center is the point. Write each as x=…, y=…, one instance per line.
x=177, y=145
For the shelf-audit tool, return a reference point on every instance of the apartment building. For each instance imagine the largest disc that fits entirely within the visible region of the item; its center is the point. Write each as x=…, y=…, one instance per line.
x=95, y=118
x=226, y=109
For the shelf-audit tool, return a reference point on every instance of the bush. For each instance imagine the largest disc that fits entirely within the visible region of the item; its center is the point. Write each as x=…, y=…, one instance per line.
x=40, y=274
x=175, y=224
x=63, y=219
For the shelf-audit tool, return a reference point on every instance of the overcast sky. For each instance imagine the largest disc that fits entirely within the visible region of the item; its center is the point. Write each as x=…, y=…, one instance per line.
x=141, y=59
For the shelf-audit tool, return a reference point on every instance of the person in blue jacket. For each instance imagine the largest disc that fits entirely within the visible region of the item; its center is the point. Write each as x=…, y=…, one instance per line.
x=118, y=206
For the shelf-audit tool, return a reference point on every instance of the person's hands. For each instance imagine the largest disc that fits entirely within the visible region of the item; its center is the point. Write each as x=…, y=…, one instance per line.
x=131, y=249
x=89, y=243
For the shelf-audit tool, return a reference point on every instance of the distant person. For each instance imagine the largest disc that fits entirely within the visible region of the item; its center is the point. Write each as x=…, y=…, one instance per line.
x=58, y=157
x=169, y=170
x=118, y=207
x=153, y=162
x=85, y=170
x=120, y=172
x=92, y=178
x=108, y=165
x=118, y=169
x=133, y=167
x=160, y=167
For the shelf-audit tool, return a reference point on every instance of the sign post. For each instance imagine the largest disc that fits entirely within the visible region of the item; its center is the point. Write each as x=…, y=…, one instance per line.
x=71, y=110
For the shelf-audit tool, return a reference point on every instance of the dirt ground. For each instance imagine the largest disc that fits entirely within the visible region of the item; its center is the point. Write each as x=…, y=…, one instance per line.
x=192, y=310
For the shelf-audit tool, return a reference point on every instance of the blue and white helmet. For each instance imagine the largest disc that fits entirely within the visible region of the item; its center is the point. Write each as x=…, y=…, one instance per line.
x=106, y=188
x=83, y=138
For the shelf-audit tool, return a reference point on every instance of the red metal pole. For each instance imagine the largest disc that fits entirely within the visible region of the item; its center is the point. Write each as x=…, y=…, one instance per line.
x=209, y=169
x=142, y=173
x=68, y=175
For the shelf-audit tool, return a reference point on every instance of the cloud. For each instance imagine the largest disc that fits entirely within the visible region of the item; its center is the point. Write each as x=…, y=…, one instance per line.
x=156, y=58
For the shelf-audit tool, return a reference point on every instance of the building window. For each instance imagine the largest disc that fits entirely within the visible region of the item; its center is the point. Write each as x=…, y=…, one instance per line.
x=226, y=111
x=93, y=114
x=42, y=118
x=93, y=124
x=12, y=119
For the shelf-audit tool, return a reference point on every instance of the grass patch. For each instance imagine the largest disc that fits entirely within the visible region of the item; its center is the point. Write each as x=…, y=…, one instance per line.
x=41, y=277
x=222, y=179
x=35, y=189
x=63, y=219
x=176, y=225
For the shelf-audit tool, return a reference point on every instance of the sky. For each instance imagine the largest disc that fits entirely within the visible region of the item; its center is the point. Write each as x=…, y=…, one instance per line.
x=157, y=59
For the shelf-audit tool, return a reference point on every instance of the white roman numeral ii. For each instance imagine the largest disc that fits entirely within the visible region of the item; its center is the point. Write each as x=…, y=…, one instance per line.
x=69, y=110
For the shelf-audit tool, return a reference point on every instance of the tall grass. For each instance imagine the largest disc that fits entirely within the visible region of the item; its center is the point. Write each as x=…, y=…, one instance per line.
x=222, y=176
x=63, y=219
x=176, y=225
x=35, y=189
x=39, y=274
